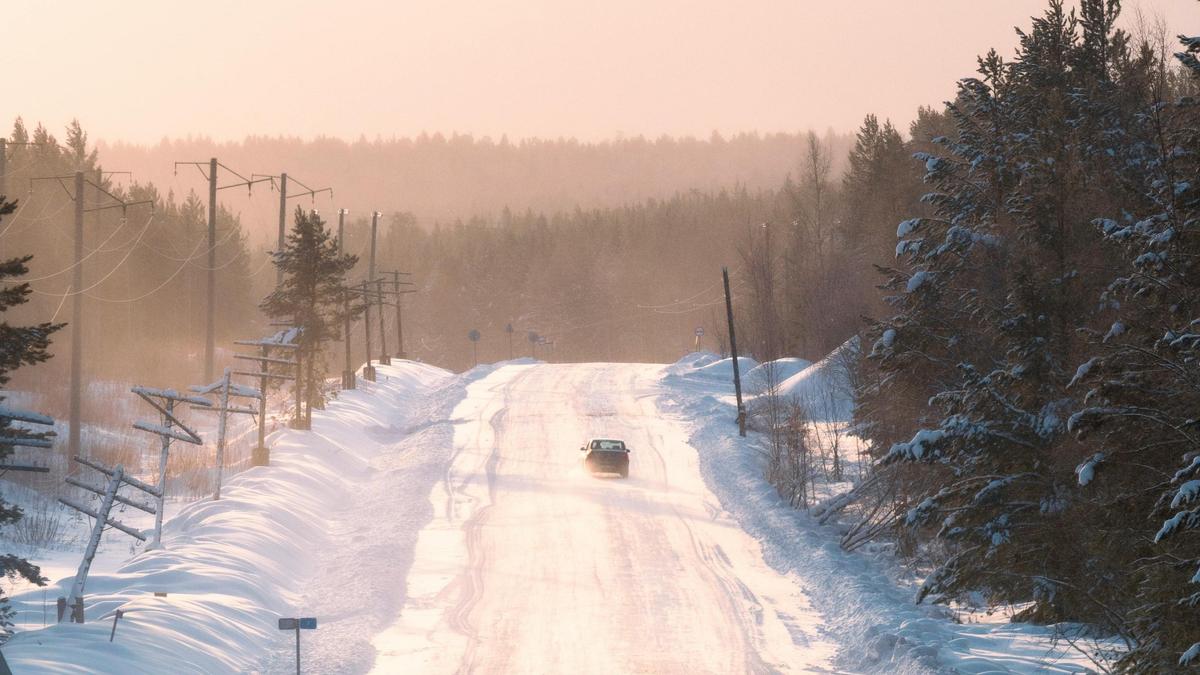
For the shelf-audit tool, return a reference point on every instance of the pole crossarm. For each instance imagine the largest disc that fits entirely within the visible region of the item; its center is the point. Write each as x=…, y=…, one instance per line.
x=107, y=521
x=169, y=432
x=234, y=389
x=100, y=491
x=274, y=376
x=266, y=359
x=125, y=478
x=247, y=183
x=292, y=179
x=233, y=409
x=169, y=429
x=121, y=203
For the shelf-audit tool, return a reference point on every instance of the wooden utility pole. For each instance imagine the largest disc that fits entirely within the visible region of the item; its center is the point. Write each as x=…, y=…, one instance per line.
x=171, y=429
x=76, y=398
x=109, y=494
x=261, y=455
x=737, y=377
x=222, y=428
x=3, y=166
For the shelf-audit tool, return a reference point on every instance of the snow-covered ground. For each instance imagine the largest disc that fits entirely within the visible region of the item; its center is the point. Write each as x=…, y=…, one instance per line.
x=436, y=523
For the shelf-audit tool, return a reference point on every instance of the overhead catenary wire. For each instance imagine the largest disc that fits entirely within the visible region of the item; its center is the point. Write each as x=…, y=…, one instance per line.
x=93, y=252
x=30, y=222
x=106, y=276
x=182, y=266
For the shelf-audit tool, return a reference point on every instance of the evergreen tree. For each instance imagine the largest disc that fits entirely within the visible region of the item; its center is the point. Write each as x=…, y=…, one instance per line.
x=311, y=297
x=989, y=311
x=19, y=346
x=1140, y=408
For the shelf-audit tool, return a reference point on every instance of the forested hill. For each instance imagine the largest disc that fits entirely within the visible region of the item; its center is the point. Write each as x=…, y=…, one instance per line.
x=445, y=178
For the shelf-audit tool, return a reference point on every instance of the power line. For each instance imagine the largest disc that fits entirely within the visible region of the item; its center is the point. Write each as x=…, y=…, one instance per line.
x=80, y=261
x=102, y=279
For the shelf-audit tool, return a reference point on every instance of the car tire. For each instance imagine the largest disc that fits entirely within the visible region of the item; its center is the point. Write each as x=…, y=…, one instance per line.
x=625, y=472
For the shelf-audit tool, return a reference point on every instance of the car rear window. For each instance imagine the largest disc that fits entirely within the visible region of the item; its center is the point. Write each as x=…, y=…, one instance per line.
x=608, y=445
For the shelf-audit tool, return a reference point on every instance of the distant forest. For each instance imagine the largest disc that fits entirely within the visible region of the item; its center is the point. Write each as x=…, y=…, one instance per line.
x=440, y=178
x=609, y=251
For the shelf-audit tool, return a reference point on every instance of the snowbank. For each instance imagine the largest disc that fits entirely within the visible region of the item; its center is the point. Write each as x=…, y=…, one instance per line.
x=874, y=619
x=230, y=568
x=760, y=377
x=824, y=387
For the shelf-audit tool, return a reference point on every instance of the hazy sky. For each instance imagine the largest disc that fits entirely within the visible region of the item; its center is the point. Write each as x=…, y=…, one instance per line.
x=143, y=69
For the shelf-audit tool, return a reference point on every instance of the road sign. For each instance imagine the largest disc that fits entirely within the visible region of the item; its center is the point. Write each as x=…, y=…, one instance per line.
x=305, y=623
x=473, y=336
x=298, y=624
x=699, y=331
x=508, y=328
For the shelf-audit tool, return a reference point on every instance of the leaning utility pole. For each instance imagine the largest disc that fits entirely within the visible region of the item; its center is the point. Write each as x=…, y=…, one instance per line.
x=210, y=303
x=76, y=294
x=737, y=377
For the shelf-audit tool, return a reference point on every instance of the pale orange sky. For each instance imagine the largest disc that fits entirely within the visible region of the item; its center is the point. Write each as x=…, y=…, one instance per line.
x=139, y=70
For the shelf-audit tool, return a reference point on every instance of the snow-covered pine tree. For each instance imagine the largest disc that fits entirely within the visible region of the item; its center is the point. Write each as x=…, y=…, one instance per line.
x=1141, y=411
x=989, y=312
x=19, y=346
x=311, y=297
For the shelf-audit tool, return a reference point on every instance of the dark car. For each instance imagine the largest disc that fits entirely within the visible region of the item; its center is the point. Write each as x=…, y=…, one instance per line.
x=605, y=455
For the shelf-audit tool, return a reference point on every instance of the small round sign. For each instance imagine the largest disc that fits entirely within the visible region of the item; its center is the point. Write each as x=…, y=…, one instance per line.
x=700, y=331
x=473, y=336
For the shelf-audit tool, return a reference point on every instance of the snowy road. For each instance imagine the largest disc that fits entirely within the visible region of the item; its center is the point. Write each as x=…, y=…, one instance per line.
x=560, y=571
x=441, y=523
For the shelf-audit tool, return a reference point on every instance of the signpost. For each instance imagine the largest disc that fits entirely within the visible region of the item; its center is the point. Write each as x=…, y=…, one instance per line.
x=699, y=334
x=508, y=328
x=298, y=624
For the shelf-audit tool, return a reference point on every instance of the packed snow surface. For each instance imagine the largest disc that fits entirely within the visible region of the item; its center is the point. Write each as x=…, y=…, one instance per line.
x=438, y=523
